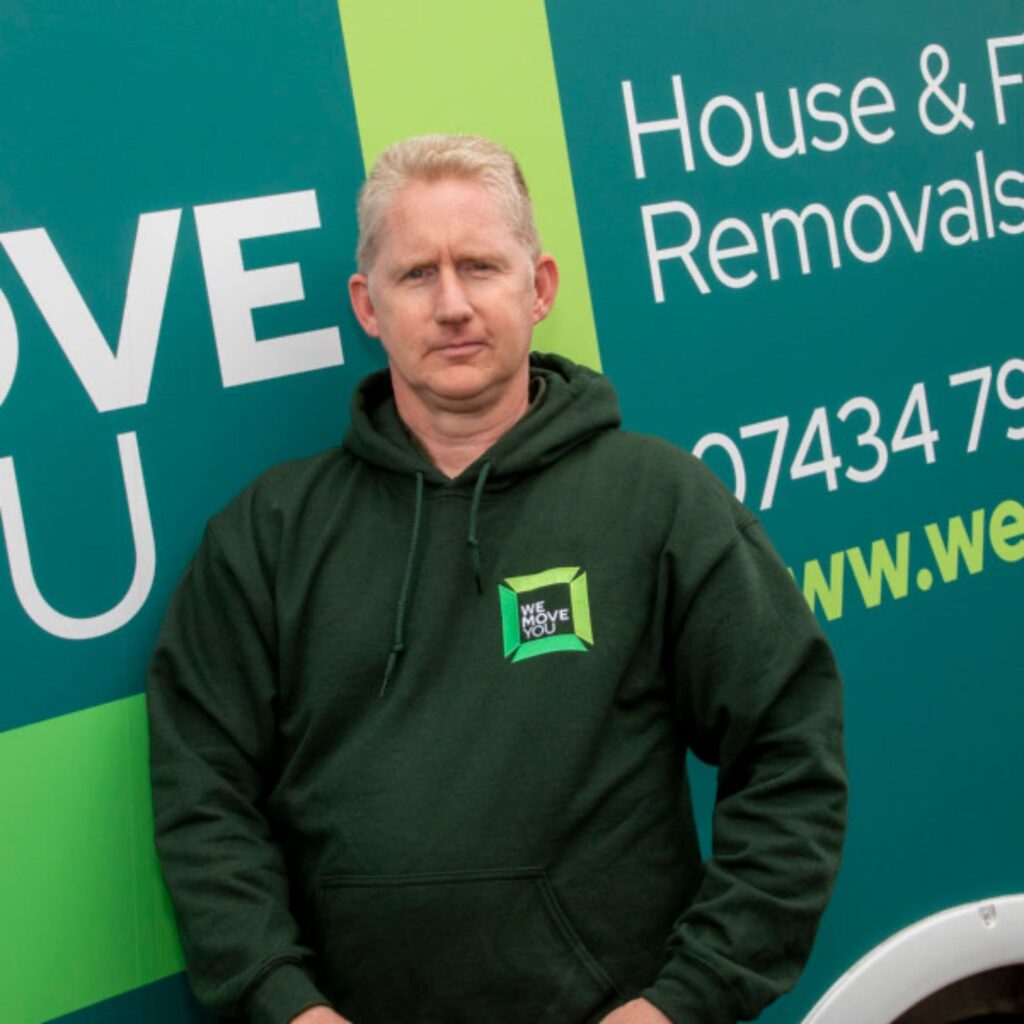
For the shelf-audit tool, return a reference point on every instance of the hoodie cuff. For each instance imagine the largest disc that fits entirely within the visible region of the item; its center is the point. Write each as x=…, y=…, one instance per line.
x=688, y=992
x=282, y=994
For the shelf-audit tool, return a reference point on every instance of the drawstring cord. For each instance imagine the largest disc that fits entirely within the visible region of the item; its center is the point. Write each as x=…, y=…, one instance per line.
x=471, y=539
x=399, y=643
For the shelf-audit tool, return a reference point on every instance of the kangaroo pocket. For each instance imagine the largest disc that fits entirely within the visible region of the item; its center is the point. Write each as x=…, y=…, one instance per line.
x=454, y=948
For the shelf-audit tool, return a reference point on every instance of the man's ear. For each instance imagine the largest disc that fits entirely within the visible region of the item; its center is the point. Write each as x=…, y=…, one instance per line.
x=545, y=285
x=362, y=304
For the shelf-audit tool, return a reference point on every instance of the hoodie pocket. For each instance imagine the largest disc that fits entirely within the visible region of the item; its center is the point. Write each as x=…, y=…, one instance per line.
x=455, y=948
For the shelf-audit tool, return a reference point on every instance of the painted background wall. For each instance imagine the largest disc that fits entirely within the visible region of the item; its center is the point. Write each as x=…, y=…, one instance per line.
x=792, y=235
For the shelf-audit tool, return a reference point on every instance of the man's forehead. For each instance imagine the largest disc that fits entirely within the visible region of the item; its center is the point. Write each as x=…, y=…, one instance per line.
x=449, y=212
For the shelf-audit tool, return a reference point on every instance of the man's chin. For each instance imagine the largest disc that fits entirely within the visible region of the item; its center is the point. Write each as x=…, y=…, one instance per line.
x=464, y=388
x=460, y=381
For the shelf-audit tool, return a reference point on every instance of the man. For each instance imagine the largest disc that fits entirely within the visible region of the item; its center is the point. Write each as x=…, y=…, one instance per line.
x=421, y=704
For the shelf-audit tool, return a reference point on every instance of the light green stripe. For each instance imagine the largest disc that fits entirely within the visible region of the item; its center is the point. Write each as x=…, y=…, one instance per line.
x=547, y=578
x=486, y=68
x=83, y=912
x=580, y=597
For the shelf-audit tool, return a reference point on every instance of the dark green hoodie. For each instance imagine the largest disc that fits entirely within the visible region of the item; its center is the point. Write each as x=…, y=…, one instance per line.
x=500, y=832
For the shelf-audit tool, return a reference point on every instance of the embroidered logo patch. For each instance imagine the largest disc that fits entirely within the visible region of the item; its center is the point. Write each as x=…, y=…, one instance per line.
x=545, y=612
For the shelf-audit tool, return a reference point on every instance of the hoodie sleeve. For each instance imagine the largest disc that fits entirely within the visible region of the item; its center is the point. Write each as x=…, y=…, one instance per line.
x=759, y=696
x=210, y=701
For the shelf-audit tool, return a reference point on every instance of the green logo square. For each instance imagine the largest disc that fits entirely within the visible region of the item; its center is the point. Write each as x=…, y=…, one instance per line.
x=545, y=612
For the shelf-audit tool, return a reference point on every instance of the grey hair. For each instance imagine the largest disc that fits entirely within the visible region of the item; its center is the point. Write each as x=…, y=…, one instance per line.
x=433, y=158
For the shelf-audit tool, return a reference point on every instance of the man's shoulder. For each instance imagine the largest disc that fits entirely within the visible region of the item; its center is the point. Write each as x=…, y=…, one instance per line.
x=654, y=470
x=281, y=493
x=293, y=477
x=648, y=452
x=652, y=448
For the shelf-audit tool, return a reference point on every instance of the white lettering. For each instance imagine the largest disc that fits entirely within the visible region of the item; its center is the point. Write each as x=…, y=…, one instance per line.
x=38, y=608
x=827, y=116
x=915, y=235
x=235, y=292
x=999, y=80
x=536, y=621
x=716, y=253
x=970, y=234
x=656, y=256
x=680, y=123
x=111, y=381
x=867, y=255
x=799, y=143
x=799, y=222
x=741, y=154
x=1006, y=200
x=8, y=348
x=986, y=195
x=859, y=111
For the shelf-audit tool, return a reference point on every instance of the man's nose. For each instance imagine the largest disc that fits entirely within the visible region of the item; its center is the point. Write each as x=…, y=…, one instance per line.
x=453, y=305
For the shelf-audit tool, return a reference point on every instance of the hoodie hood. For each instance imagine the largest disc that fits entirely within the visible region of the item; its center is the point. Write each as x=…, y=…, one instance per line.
x=576, y=404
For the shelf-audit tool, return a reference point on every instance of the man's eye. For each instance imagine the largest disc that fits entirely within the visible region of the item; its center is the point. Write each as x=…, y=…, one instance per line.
x=416, y=274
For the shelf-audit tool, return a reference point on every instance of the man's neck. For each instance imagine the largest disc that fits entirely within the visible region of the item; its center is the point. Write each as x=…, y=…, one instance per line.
x=454, y=439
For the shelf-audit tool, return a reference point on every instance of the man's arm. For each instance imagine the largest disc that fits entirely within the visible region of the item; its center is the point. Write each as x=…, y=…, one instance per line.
x=211, y=699
x=759, y=695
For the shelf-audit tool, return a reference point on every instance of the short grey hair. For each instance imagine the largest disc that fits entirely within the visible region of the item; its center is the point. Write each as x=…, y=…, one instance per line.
x=433, y=158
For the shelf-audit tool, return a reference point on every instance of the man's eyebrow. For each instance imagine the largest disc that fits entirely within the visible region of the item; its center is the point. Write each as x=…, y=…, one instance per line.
x=404, y=264
x=484, y=255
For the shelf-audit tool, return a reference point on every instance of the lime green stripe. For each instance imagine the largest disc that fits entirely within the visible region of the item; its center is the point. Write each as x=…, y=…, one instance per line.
x=83, y=912
x=485, y=68
x=547, y=578
x=580, y=598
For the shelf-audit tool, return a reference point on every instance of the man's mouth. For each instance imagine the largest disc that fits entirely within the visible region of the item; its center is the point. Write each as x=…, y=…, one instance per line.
x=458, y=348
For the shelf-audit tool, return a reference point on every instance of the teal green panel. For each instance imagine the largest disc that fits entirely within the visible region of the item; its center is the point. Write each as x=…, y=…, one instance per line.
x=110, y=112
x=168, y=1001
x=929, y=339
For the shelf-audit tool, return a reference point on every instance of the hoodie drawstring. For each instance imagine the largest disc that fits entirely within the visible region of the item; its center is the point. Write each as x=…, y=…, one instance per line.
x=399, y=643
x=471, y=539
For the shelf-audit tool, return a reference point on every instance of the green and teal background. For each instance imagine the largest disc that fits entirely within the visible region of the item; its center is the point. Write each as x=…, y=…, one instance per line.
x=114, y=111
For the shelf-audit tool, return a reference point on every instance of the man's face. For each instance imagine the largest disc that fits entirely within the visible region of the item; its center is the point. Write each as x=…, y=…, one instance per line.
x=453, y=296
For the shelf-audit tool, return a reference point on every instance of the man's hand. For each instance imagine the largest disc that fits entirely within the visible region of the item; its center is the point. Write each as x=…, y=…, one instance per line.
x=636, y=1011
x=319, y=1015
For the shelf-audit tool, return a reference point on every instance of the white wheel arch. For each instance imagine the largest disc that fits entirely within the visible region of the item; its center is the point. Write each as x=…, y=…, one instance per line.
x=924, y=958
